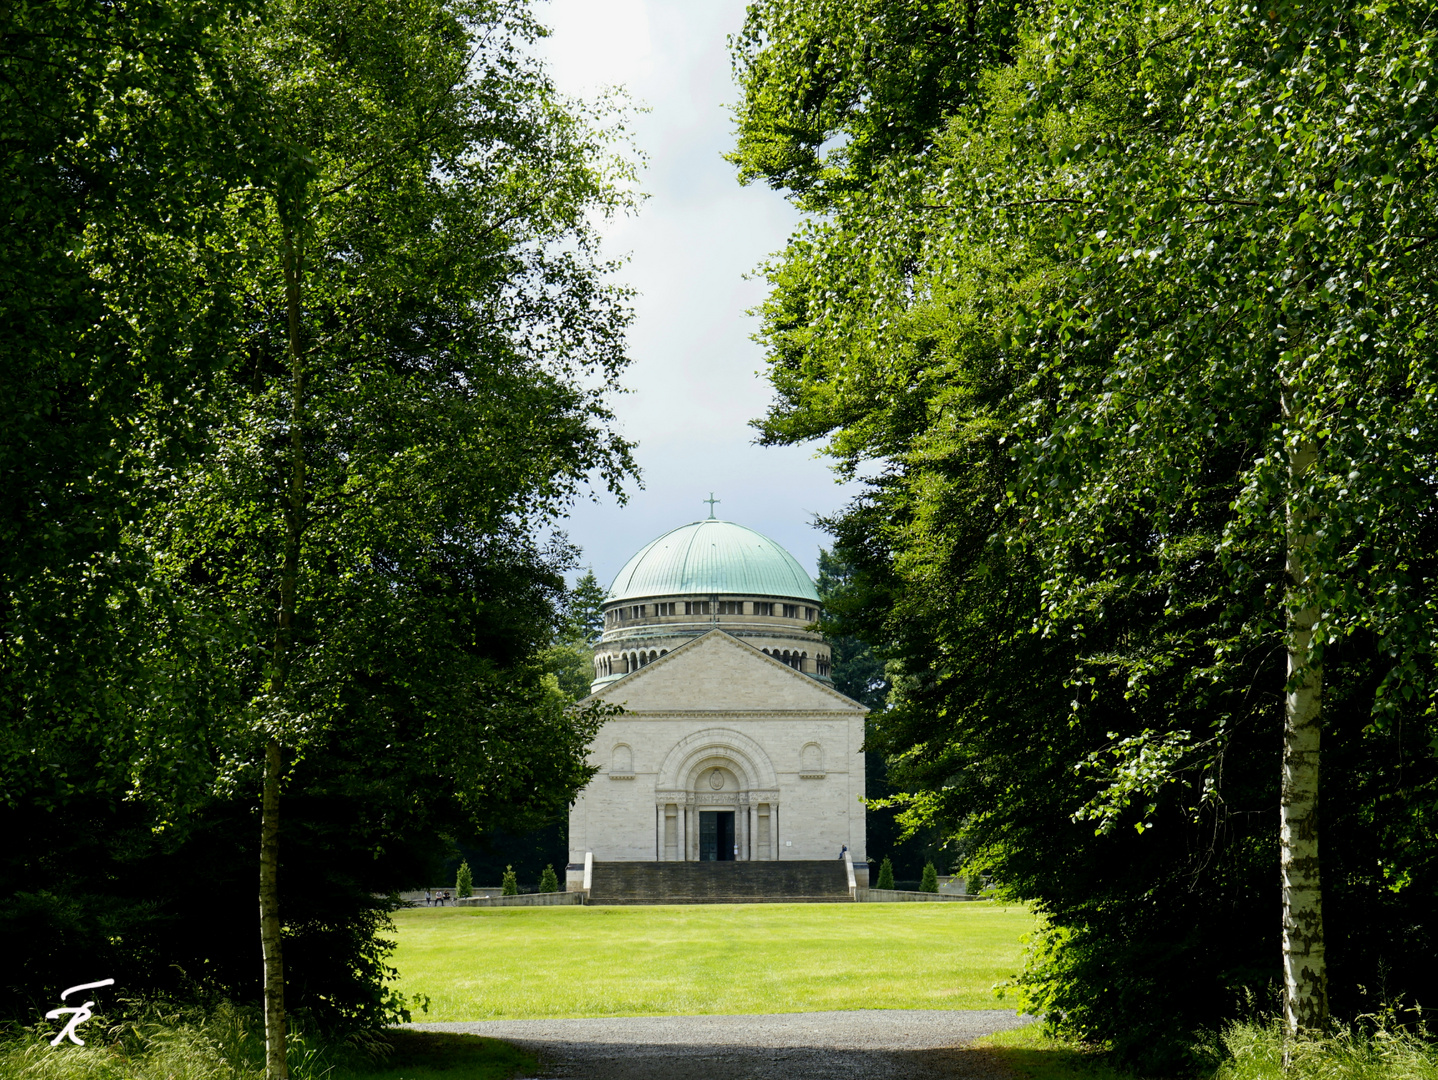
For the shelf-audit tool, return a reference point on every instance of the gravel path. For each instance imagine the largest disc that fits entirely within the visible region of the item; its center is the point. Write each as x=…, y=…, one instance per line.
x=892, y=1044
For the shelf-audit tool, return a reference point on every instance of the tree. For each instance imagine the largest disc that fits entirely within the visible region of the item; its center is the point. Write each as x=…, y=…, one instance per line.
x=367, y=495
x=1114, y=349
x=857, y=672
x=886, y=874
x=463, y=883
x=571, y=657
x=1296, y=351
x=930, y=880
x=124, y=132
x=366, y=371
x=509, y=885
x=586, y=608
x=314, y=321
x=548, y=882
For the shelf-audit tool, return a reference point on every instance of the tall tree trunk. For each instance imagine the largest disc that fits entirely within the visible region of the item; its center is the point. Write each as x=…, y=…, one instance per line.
x=276, y=1058
x=276, y=1062
x=1305, y=973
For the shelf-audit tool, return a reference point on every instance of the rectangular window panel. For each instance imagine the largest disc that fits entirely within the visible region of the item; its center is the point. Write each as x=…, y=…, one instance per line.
x=763, y=609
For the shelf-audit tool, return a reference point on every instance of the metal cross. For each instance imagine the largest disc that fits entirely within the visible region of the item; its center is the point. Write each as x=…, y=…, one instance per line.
x=711, y=501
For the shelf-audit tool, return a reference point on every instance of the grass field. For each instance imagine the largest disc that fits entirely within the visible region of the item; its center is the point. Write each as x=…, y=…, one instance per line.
x=518, y=963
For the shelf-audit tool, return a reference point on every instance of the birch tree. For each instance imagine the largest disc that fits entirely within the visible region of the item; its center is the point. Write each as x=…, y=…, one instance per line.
x=308, y=341
x=1151, y=286
x=425, y=382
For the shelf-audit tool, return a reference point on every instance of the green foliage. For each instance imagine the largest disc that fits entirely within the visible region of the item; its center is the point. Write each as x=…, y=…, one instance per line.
x=310, y=345
x=930, y=881
x=571, y=658
x=119, y=308
x=857, y=672
x=878, y=73
x=1142, y=254
x=510, y=884
x=585, y=609
x=886, y=875
x=548, y=882
x=463, y=882
x=570, y=665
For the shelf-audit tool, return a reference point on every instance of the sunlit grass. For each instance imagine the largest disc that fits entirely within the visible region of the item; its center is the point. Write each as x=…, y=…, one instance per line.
x=226, y=1043
x=518, y=963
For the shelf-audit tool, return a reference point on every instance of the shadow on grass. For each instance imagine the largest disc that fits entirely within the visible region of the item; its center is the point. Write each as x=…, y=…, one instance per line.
x=440, y=1055
x=1029, y=1054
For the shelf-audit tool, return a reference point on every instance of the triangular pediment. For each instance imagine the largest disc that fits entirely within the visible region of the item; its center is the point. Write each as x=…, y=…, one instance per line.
x=720, y=673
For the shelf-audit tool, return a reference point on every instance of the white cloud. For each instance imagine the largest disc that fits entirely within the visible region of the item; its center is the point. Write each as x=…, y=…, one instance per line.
x=598, y=43
x=695, y=378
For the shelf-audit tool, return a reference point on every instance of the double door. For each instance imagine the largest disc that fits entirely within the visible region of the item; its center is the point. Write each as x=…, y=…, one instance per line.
x=716, y=836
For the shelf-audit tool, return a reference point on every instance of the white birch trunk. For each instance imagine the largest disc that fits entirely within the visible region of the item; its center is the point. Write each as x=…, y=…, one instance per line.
x=276, y=1035
x=276, y=1063
x=1305, y=974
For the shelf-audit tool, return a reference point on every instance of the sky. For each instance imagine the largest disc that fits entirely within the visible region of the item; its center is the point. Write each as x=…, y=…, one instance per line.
x=696, y=380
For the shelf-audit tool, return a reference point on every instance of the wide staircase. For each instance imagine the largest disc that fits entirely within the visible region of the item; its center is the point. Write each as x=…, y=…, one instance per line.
x=797, y=881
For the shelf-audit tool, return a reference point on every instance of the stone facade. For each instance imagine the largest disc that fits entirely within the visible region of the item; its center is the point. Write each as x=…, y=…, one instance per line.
x=719, y=725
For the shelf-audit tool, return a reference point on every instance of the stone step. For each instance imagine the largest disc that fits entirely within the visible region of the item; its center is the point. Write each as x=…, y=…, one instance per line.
x=791, y=881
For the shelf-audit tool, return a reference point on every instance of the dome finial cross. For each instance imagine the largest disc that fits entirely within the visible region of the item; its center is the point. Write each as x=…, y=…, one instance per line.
x=711, y=501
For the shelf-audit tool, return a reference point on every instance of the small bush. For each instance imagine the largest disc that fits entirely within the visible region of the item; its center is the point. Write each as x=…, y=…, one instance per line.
x=463, y=881
x=886, y=875
x=930, y=882
x=548, y=882
x=510, y=882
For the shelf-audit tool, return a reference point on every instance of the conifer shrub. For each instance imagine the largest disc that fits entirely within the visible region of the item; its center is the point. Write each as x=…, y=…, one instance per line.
x=510, y=882
x=886, y=875
x=548, y=882
x=463, y=881
x=930, y=882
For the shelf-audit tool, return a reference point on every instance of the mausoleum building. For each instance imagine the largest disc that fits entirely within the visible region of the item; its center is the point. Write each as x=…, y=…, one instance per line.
x=733, y=744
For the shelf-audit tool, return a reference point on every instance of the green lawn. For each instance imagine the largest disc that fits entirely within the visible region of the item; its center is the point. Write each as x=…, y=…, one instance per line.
x=518, y=963
x=433, y=1055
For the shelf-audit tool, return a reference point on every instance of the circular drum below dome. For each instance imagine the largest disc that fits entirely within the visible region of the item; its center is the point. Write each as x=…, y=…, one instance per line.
x=704, y=576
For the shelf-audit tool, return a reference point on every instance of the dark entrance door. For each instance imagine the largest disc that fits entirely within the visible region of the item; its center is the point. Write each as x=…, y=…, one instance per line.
x=716, y=835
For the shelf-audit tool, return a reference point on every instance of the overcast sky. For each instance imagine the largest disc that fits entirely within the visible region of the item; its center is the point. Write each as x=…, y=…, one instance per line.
x=695, y=382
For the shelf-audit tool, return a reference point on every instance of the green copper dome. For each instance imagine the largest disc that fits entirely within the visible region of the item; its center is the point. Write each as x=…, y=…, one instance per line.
x=708, y=557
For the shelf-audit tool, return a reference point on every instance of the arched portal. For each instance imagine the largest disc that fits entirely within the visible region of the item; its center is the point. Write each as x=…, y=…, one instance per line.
x=718, y=798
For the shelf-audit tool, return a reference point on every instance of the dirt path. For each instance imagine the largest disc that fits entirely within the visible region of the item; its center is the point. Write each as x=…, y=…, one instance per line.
x=871, y=1044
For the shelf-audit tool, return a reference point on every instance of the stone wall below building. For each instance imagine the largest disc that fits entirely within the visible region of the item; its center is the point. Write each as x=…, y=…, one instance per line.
x=543, y=899
x=889, y=896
